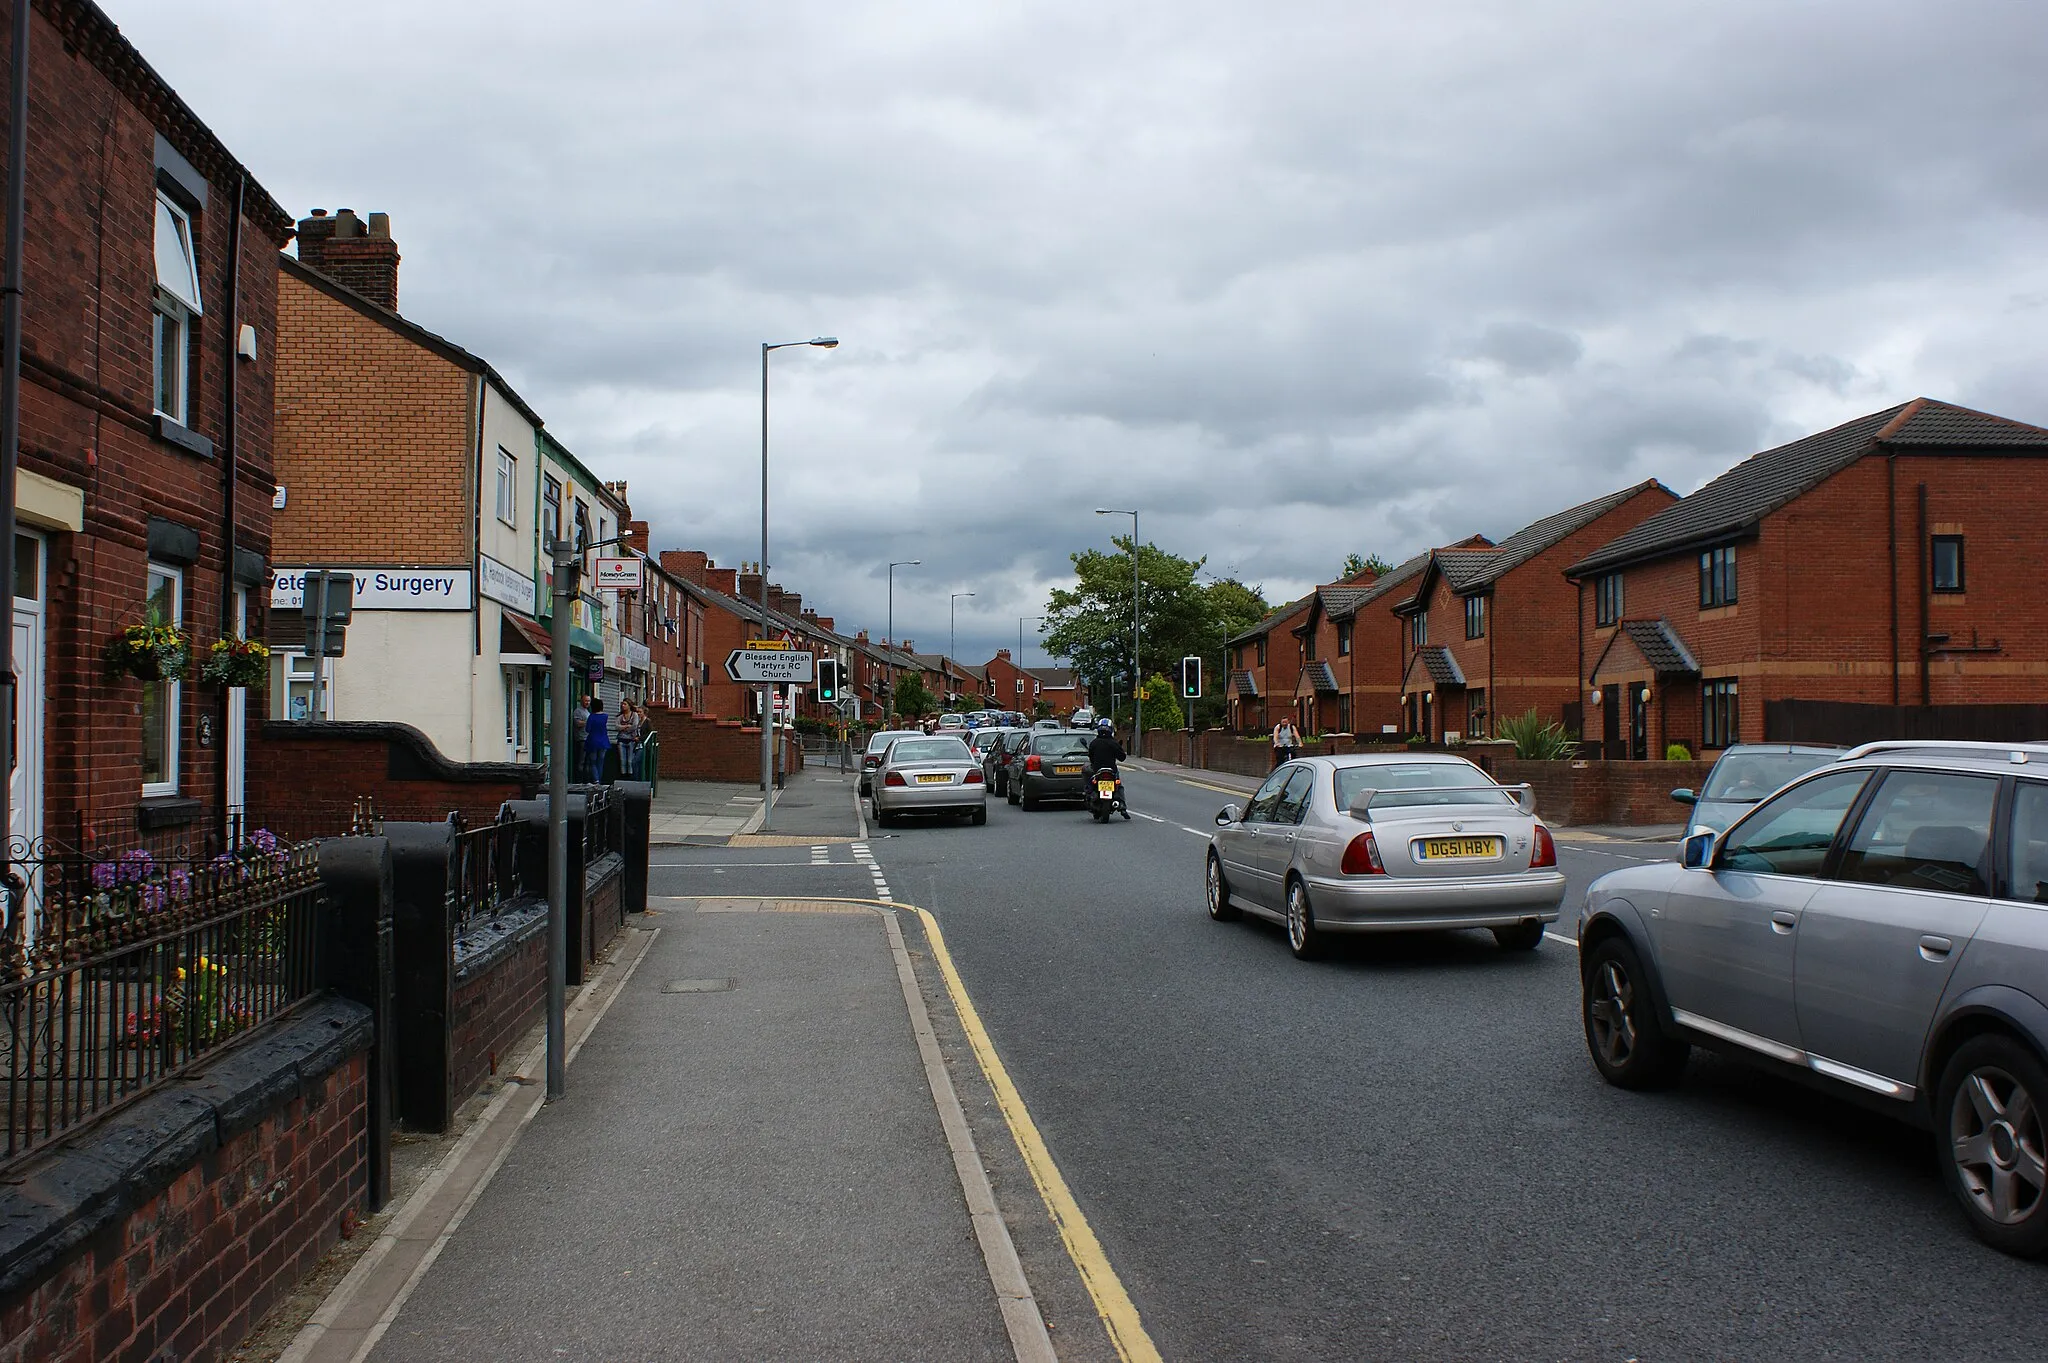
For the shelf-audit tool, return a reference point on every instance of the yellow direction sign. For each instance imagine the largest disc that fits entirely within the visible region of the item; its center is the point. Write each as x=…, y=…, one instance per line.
x=767, y=643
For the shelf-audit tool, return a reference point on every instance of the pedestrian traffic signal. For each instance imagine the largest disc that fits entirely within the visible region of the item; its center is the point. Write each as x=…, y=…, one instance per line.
x=1190, y=678
x=828, y=680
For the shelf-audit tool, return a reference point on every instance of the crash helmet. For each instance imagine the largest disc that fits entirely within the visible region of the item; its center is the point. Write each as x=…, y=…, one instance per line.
x=1103, y=726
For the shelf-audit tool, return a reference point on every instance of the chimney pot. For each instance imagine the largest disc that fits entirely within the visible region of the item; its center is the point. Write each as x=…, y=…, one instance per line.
x=380, y=225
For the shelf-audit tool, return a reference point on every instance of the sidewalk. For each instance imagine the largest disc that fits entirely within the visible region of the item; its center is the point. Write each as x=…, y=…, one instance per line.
x=758, y=1156
x=816, y=802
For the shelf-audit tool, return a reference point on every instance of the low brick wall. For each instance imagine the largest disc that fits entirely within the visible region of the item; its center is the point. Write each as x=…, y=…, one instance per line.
x=499, y=994
x=306, y=771
x=604, y=912
x=170, y=1229
x=700, y=748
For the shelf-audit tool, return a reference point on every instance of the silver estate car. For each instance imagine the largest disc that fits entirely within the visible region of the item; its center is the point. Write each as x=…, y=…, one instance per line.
x=1878, y=927
x=1385, y=843
x=935, y=775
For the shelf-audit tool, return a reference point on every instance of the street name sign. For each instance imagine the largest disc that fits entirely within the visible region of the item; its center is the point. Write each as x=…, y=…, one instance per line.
x=772, y=666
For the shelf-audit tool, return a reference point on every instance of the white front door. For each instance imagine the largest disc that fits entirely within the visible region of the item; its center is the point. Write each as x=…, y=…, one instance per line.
x=26, y=783
x=518, y=738
x=237, y=750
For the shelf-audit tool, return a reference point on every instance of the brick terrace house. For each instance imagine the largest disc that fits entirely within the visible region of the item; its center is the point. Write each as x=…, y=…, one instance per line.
x=1894, y=559
x=1482, y=632
x=148, y=352
x=1322, y=691
x=1265, y=666
x=1059, y=690
x=1010, y=687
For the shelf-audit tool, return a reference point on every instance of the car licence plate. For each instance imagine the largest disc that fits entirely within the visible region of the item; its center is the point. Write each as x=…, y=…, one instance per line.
x=1459, y=849
x=1066, y=771
x=936, y=778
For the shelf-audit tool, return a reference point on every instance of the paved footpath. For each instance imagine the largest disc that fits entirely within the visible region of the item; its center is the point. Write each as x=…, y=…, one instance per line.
x=755, y=1159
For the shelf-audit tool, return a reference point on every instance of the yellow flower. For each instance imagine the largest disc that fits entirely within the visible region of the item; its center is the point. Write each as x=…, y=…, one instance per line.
x=181, y=972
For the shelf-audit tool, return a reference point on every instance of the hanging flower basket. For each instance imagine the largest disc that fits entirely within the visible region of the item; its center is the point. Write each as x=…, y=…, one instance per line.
x=237, y=662
x=154, y=650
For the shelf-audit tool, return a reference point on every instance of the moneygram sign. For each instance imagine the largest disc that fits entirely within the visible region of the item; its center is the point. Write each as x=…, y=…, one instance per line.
x=617, y=575
x=384, y=589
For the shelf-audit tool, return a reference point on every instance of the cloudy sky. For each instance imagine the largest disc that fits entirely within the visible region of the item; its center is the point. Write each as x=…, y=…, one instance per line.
x=1293, y=278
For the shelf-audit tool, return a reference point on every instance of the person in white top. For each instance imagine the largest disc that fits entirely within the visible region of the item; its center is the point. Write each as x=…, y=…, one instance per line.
x=1286, y=742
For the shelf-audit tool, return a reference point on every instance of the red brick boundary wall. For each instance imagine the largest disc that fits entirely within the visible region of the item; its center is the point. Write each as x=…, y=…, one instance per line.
x=497, y=1000
x=701, y=748
x=306, y=768
x=212, y=1241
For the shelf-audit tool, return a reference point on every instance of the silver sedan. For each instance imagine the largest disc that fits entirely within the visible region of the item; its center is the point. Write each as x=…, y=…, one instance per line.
x=1386, y=843
x=935, y=775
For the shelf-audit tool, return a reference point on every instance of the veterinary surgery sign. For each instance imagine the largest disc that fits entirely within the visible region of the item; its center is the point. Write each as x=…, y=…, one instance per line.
x=384, y=589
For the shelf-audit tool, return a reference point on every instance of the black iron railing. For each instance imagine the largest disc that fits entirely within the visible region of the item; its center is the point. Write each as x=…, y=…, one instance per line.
x=128, y=968
x=604, y=825
x=484, y=874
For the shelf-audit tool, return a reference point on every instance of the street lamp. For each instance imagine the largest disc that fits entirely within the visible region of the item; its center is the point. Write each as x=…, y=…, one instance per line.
x=767, y=691
x=1137, y=682
x=900, y=563
x=952, y=632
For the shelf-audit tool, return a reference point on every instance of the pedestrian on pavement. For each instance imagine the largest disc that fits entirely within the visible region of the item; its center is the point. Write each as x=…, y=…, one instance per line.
x=630, y=728
x=579, y=727
x=1286, y=741
x=598, y=739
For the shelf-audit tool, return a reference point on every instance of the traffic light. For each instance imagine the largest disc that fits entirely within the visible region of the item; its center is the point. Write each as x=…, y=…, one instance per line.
x=1191, y=678
x=828, y=680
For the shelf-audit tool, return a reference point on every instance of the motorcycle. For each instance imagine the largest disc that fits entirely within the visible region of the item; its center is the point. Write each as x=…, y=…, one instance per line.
x=1105, y=796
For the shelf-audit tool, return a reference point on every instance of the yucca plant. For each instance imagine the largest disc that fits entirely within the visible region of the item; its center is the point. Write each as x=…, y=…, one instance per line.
x=1536, y=740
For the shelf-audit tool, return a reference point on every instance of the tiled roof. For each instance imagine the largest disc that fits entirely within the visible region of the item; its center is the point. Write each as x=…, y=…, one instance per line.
x=1469, y=568
x=1273, y=617
x=1660, y=645
x=1443, y=668
x=1056, y=677
x=1319, y=675
x=1760, y=484
x=1404, y=572
x=1245, y=684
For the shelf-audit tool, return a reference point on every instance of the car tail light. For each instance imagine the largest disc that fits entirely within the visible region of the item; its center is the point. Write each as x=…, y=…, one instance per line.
x=1031, y=763
x=1362, y=857
x=894, y=778
x=974, y=776
x=1546, y=850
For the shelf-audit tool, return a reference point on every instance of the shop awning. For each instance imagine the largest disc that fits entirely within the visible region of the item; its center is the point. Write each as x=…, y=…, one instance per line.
x=522, y=642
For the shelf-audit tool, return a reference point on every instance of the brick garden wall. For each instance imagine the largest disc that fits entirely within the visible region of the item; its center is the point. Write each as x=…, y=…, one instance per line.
x=496, y=1004
x=189, y=1272
x=309, y=772
x=700, y=748
x=604, y=912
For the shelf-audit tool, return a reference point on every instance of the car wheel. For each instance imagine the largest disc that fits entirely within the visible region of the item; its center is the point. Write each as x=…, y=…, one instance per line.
x=884, y=819
x=1303, y=937
x=1030, y=801
x=1628, y=1042
x=979, y=816
x=1520, y=937
x=1992, y=1149
x=1220, y=907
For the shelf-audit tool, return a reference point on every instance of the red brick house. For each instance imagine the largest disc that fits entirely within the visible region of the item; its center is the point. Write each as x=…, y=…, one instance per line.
x=1896, y=559
x=1265, y=667
x=1371, y=675
x=1322, y=694
x=1484, y=631
x=1010, y=687
x=148, y=351
x=1059, y=690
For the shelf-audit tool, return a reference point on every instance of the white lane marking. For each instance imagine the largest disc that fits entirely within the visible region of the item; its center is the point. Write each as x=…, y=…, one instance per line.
x=1196, y=831
x=1150, y=818
x=1560, y=937
x=742, y=865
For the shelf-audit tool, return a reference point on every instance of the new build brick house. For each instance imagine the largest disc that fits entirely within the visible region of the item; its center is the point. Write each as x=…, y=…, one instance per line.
x=1486, y=629
x=148, y=353
x=1265, y=667
x=1328, y=670
x=1896, y=559
x=1010, y=687
x=1059, y=690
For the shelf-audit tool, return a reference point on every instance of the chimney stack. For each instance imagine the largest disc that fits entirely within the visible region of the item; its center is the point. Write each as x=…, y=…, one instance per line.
x=688, y=564
x=353, y=254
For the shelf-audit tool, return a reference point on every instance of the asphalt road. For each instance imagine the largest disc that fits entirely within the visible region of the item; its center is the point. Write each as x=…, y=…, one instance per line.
x=1404, y=1152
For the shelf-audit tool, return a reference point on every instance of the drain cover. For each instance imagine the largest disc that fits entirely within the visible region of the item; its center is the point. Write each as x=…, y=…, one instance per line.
x=696, y=986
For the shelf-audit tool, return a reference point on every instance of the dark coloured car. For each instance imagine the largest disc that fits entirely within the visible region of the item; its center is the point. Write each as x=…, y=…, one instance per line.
x=1004, y=758
x=1055, y=768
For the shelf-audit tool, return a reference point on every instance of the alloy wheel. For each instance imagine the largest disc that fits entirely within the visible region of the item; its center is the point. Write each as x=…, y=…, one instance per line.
x=1995, y=1125
x=1612, y=1011
x=1297, y=916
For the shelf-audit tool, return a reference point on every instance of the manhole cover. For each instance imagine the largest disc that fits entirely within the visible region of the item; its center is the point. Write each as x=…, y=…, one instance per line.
x=696, y=986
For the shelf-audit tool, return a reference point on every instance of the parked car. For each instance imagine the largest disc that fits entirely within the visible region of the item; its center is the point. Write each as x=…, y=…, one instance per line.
x=981, y=741
x=950, y=722
x=1385, y=842
x=935, y=775
x=1005, y=757
x=1084, y=718
x=1743, y=775
x=1879, y=928
x=1046, y=726
x=1055, y=768
x=872, y=758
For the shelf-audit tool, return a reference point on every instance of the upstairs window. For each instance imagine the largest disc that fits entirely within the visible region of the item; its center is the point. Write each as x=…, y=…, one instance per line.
x=508, y=480
x=1946, y=555
x=551, y=510
x=1344, y=639
x=1717, y=577
x=1475, y=617
x=1607, y=600
x=1308, y=646
x=175, y=306
x=1262, y=653
x=1418, y=629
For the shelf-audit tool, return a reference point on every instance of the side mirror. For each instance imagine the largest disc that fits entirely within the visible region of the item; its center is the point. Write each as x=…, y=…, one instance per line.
x=1227, y=815
x=1685, y=796
x=1699, y=851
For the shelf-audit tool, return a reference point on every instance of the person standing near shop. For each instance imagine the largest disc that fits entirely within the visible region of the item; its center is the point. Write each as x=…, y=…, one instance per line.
x=579, y=729
x=1286, y=741
x=630, y=725
x=598, y=740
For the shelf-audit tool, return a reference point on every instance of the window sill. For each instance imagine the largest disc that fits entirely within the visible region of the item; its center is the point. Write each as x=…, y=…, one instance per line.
x=1941, y=598
x=1728, y=612
x=190, y=441
x=166, y=811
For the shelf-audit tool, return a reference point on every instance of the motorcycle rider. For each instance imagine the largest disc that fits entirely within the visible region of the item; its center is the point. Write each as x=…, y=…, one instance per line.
x=1104, y=752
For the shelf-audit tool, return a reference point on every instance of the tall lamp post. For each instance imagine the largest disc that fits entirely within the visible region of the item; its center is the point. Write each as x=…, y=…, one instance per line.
x=1137, y=681
x=768, y=692
x=900, y=563
x=952, y=630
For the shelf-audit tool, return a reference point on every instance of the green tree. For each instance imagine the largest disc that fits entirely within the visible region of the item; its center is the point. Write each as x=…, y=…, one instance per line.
x=1162, y=705
x=1354, y=564
x=912, y=699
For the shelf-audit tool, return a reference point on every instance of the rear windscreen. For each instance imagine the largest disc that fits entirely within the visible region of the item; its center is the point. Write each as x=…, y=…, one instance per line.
x=1418, y=783
x=929, y=750
x=1061, y=745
